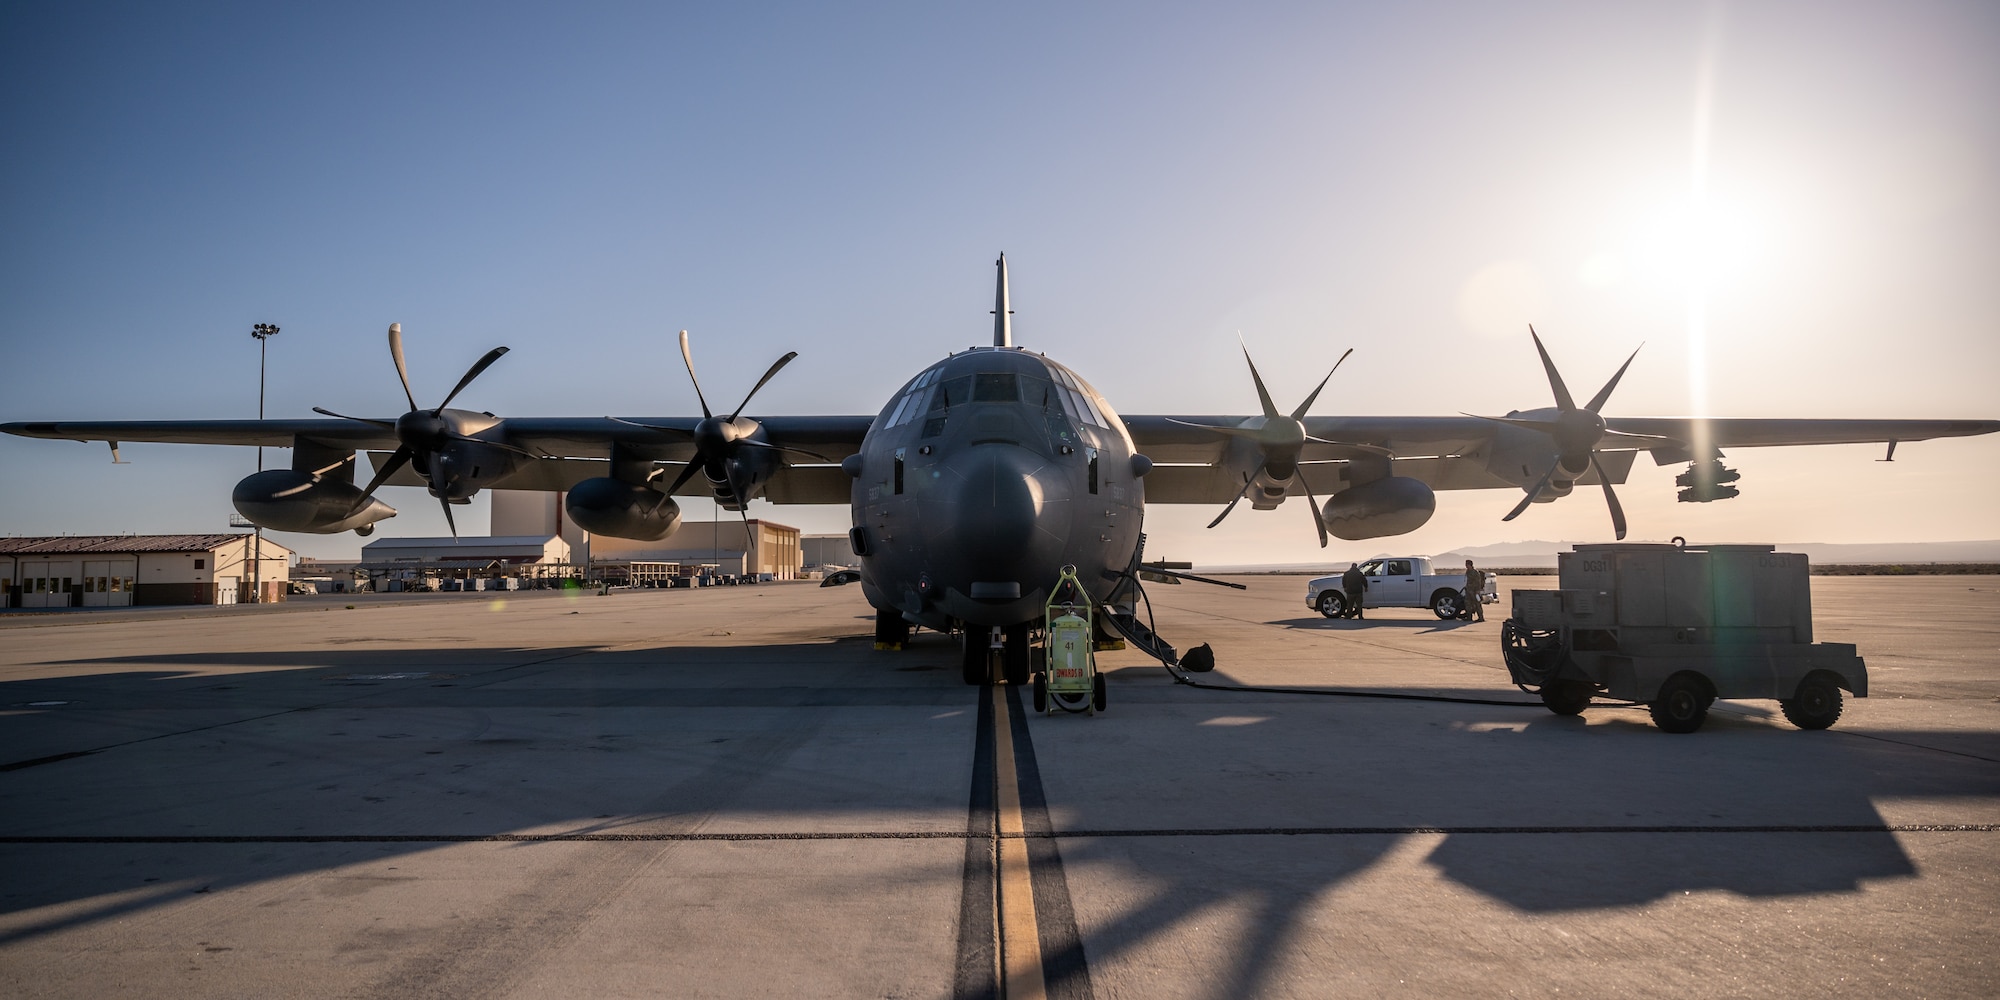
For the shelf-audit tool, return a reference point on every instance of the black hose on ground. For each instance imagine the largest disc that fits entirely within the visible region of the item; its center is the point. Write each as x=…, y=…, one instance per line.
x=1182, y=678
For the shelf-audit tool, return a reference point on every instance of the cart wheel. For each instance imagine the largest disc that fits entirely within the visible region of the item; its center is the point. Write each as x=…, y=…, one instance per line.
x=1097, y=693
x=1041, y=694
x=1816, y=705
x=1567, y=697
x=1682, y=705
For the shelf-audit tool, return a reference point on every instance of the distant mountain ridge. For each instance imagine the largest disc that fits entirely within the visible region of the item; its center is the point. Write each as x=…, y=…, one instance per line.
x=1542, y=554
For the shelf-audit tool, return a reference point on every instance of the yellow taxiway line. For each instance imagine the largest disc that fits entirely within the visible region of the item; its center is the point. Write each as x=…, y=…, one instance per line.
x=1020, y=944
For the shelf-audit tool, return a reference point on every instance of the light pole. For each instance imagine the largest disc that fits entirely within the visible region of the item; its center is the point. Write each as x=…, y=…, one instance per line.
x=263, y=332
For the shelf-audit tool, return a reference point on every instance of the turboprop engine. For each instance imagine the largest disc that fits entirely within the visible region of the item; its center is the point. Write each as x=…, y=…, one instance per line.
x=607, y=506
x=290, y=500
x=1392, y=505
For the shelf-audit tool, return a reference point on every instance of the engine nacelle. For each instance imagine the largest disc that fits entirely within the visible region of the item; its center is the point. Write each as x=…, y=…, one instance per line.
x=1390, y=506
x=607, y=506
x=290, y=500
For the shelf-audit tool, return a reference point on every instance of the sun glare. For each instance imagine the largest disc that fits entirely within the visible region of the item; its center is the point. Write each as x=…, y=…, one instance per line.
x=1699, y=245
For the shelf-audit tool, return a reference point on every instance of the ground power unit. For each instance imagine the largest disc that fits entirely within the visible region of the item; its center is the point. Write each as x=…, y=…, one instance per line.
x=1676, y=627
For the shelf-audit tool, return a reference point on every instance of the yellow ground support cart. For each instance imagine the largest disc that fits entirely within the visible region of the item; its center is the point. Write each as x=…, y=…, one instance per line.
x=1068, y=679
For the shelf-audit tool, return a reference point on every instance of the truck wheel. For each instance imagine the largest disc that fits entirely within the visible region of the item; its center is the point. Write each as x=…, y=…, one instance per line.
x=1332, y=605
x=1567, y=697
x=1446, y=604
x=1682, y=704
x=1097, y=692
x=1816, y=704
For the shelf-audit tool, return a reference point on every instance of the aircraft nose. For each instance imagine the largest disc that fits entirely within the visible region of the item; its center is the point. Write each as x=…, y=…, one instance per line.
x=999, y=503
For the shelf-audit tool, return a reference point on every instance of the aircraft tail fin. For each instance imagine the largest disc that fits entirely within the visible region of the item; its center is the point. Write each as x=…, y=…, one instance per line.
x=1003, y=317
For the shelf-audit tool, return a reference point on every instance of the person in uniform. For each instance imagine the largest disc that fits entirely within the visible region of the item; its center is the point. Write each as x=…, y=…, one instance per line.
x=1354, y=584
x=1475, y=581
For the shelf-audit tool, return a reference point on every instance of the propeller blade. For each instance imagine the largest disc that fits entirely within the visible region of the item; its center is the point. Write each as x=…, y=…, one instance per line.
x=391, y=424
x=1627, y=437
x=397, y=459
x=1610, y=498
x=1318, y=518
x=472, y=373
x=686, y=474
x=446, y=504
x=502, y=445
x=1263, y=394
x=781, y=362
x=1300, y=413
x=1597, y=402
x=749, y=538
x=747, y=443
x=402, y=370
x=1232, y=503
x=1242, y=432
x=682, y=431
x=1363, y=449
x=688, y=356
x=1563, y=399
x=1545, y=426
x=1540, y=485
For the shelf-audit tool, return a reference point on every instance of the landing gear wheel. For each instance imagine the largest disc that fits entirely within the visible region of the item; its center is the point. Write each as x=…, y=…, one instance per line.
x=1014, y=659
x=1816, y=705
x=1041, y=694
x=1682, y=705
x=1332, y=604
x=1447, y=604
x=1097, y=693
x=1567, y=697
x=975, y=660
x=892, y=631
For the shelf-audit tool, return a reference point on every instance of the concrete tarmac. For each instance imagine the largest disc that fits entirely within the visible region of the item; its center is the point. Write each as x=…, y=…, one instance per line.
x=729, y=793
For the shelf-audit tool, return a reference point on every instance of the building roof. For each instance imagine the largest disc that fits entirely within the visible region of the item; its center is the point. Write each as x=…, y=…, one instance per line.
x=113, y=544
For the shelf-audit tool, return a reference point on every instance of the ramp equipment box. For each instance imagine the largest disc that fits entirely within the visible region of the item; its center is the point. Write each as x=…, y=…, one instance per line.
x=1676, y=627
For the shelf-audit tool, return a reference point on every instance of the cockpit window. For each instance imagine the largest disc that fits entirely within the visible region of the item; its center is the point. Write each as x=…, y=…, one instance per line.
x=995, y=387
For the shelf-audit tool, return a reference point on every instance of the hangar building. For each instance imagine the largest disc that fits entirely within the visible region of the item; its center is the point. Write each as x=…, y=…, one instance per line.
x=708, y=543
x=116, y=571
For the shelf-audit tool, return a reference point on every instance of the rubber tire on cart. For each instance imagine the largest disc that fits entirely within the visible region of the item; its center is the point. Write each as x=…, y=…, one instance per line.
x=1682, y=704
x=1447, y=604
x=1567, y=697
x=1097, y=693
x=1041, y=693
x=975, y=659
x=1332, y=604
x=1014, y=659
x=1816, y=704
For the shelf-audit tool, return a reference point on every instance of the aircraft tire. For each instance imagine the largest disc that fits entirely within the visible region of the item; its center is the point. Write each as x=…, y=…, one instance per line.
x=974, y=663
x=1014, y=659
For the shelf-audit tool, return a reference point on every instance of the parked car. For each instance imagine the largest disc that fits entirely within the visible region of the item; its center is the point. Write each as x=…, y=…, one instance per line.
x=1399, y=582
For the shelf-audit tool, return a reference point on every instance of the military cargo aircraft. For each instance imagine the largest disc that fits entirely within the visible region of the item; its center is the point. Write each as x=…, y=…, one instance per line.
x=984, y=475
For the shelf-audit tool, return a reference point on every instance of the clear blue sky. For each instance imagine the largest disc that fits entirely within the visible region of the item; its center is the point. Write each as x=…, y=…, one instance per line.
x=1418, y=182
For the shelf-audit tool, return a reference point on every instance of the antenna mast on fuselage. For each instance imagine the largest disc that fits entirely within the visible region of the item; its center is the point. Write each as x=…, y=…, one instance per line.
x=1003, y=323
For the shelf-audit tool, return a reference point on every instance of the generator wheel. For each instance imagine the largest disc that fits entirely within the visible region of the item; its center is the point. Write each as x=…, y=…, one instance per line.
x=1041, y=694
x=1097, y=693
x=1332, y=604
x=1567, y=697
x=1816, y=704
x=1682, y=704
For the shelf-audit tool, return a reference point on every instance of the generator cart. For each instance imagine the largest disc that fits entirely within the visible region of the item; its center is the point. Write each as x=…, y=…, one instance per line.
x=1068, y=679
x=1676, y=627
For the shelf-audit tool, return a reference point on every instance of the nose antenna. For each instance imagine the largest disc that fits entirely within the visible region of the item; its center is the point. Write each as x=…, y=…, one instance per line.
x=1003, y=323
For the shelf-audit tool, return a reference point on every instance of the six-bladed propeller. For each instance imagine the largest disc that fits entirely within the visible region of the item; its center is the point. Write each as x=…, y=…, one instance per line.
x=1279, y=439
x=423, y=433
x=1575, y=431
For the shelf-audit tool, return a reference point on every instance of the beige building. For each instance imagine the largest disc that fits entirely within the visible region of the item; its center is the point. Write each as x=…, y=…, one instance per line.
x=768, y=548
x=115, y=571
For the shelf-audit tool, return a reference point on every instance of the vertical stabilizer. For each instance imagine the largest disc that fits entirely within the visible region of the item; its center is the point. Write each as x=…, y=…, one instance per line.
x=1003, y=317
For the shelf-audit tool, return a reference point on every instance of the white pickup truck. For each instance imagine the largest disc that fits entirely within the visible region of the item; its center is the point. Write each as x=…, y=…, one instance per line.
x=1399, y=582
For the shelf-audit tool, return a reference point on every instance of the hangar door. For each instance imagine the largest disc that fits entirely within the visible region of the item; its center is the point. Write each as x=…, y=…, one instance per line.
x=107, y=583
x=45, y=584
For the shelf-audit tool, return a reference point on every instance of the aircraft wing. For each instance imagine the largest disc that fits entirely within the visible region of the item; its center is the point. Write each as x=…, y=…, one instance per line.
x=1449, y=453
